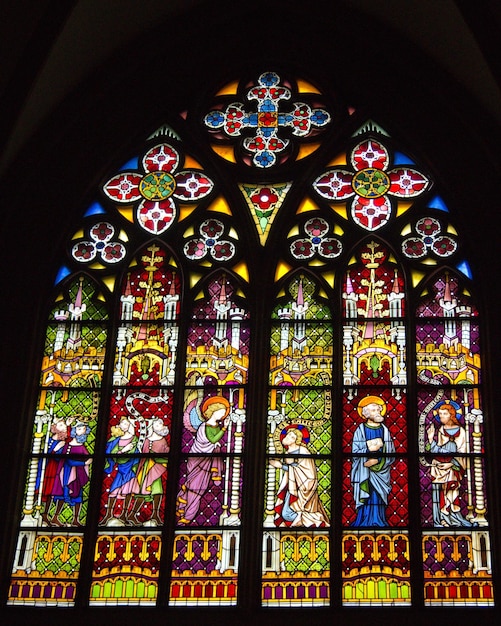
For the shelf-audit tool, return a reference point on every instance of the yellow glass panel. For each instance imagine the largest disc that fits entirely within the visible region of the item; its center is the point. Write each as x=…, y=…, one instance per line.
x=339, y=160
x=340, y=210
x=96, y=266
x=186, y=210
x=194, y=279
x=220, y=205
x=322, y=293
x=293, y=231
x=78, y=234
x=451, y=230
x=172, y=261
x=352, y=260
x=225, y=152
x=466, y=292
x=189, y=232
x=403, y=207
x=122, y=235
x=190, y=162
x=306, y=205
x=303, y=86
x=110, y=281
x=281, y=293
x=282, y=269
x=127, y=213
x=307, y=149
x=233, y=233
x=205, y=263
x=406, y=230
x=242, y=270
x=371, y=589
x=316, y=263
x=417, y=277
x=392, y=259
x=229, y=89
x=329, y=278
x=338, y=230
x=240, y=293
x=428, y=261
x=101, y=297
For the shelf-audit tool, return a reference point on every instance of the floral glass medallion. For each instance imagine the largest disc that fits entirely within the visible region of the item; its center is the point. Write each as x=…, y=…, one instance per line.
x=101, y=245
x=263, y=129
x=429, y=237
x=209, y=242
x=370, y=184
x=157, y=189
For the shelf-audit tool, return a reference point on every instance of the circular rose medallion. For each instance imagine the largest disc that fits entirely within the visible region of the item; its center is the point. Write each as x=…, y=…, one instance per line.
x=414, y=248
x=113, y=252
x=84, y=251
x=330, y=248
x=221, y=250
x=370, y=183
x=371, y=213
x=156, y=217
x=444, y=246
x=302, y=249
x=157, y=186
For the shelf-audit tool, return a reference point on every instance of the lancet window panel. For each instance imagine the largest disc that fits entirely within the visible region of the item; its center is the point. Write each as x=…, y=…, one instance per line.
x=298, y=476
x=375, y=469
x=451, y=444
x=206, y=549
x=56, y=492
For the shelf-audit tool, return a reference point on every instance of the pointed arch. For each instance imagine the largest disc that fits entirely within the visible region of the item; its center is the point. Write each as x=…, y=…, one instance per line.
x=343, y=422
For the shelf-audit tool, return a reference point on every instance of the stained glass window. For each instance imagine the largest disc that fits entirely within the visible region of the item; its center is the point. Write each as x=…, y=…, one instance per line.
x=264, y=346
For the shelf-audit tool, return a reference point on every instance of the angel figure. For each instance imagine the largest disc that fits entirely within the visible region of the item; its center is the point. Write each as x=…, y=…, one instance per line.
x=209, y=421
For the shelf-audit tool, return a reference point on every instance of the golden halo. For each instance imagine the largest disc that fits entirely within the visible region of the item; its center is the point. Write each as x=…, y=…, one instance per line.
x=218, y=400
x=371, y=400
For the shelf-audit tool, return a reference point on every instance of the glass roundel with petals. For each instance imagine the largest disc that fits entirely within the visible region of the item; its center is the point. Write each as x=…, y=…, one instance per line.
x=156, y=189
x=316, y=242
x=371, y=183
x=209, y=242
x=429, y=237
x=101, y=244
x=264, y=127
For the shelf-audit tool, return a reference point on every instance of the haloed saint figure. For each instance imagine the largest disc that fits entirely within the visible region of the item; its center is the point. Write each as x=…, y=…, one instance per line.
x=298, y=503
x=370, y=471
x=446, y=438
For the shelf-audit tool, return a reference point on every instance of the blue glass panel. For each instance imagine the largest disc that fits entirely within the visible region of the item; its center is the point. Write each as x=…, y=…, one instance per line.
x=438, y=203
x=465, y=268
x=399, y=158
x=132, y=164
x=62, y=273
x=94, y=209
